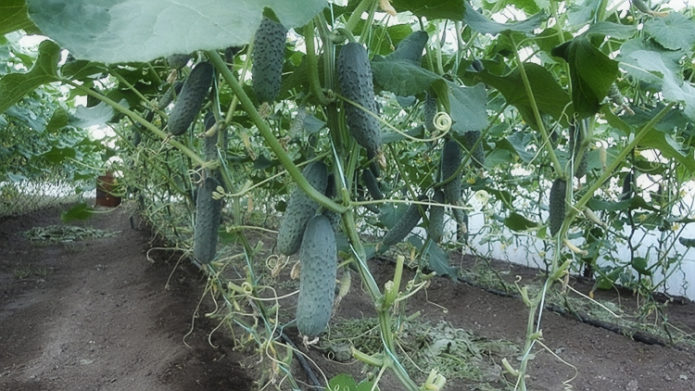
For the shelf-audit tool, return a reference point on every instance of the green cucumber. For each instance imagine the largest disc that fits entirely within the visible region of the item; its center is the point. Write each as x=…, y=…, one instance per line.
x=207, y=221
x=178, y=61
x=372, y=184
x=436, y=227
x=300, y=209
x=404, y=225
x=451, y=160
x=628, y=187
x=556, y=213
x=576, y=139
x=470, y=139
x=410, y=48
x=319, y=265
x=429, y=111
x=355, y=79
x=168, y=95
x=189, y=102
x=268, y=57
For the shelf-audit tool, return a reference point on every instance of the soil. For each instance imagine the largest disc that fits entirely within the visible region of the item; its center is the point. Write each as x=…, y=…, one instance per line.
x=96, y=315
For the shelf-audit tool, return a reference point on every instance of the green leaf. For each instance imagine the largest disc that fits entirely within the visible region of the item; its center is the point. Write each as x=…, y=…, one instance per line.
x=439, y=261
x=640, y=265
x=89, y=116
x=15, y=85
x=367, y=385
x=591, y=71
x=517, y=222
x=13, y=16
x=599, y=204
x=481, y=24
x=59, y=119
x=550, y=97
x=468, y=108
x=615, y=30
x=673, y=87
x=402, y=77
x=58, y=155
x=669, y=147
x=78, y=212
x=133, y=30
x=27, y=116
x=342, y=381
x=687, y=242
x=432, y=9
x=674, y=31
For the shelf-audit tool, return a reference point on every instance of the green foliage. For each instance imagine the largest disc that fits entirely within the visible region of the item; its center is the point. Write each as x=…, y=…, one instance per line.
x=317, y=279
x=162, y=28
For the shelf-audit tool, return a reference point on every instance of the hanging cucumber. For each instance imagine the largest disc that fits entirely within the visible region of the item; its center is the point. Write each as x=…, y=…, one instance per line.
x=436, y=227
x=319, y=266
x=556, y=213
x=189, y=102
x=355, y=79
x=300, y=209
x=268, y=57
x=451, y=160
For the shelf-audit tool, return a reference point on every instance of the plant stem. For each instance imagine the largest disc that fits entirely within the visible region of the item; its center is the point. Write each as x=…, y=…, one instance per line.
x=312, y=62
x=536, y=113
x=136, y=118
x=268, y=136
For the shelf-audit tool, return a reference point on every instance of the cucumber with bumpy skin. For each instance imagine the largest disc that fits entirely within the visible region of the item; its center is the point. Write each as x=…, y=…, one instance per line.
x=556, y=213
x=268, y=57
x=319, y=266
x=207, y=221
x=470, y=139
x=410, y=48
x=436, y=227
x=300, y=209
x=404, y=225
x=355, y=79
x=189, y=102
x=429, y=111
x=576, y=139
x=451, y=160
x=372, y=185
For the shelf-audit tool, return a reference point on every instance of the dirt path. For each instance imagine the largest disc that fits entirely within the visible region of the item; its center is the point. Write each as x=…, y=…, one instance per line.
x=95, y=315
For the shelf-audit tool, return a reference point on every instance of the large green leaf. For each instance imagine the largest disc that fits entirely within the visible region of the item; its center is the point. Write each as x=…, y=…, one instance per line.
x=591, y=71
x=669, y=147
x=468, y=107
x=481, y=24
x=402, y=77
x=13, y=16
x=518, y=222
x=674, y=31
x=15, y=85
x=549, y=96
x=112, y=31
x=673, y=87
x=616, y=30
x=432, y=9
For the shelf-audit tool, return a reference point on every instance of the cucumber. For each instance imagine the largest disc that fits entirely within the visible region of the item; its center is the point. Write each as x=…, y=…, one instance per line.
x=189, y=102
x=319, y=265
x=372, y=185
x=410, y=48
x=627, y=187
x=300, y=209
x=355, y=80
x=178, y=61
x=168, y=95
x=429, y=111
x=556, y=214
x=461, y=217
x=436, y=227
x=207, y=221
x=477, y=153
x=268, y=57
x=451, y=160
x=404, y=225
x=575, y=142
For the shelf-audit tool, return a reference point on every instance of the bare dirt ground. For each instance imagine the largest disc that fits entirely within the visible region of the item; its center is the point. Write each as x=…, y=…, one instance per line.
x=95, y=315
